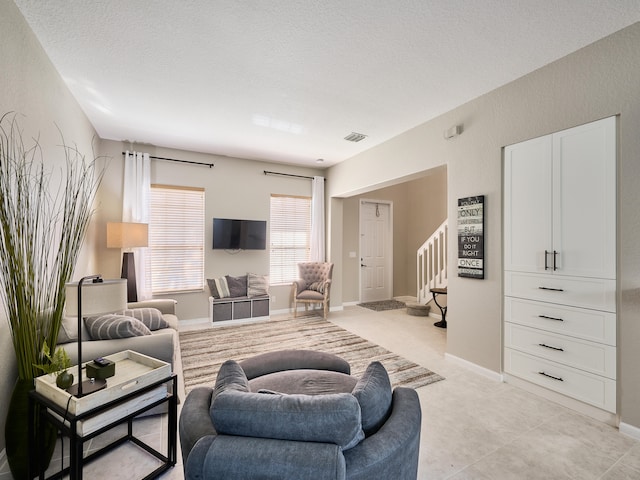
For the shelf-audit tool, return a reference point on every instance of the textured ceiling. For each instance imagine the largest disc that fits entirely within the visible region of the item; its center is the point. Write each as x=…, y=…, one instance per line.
x=287, y=80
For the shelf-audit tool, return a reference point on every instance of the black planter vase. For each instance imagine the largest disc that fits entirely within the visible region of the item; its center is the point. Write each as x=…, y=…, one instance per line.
x=16, y=432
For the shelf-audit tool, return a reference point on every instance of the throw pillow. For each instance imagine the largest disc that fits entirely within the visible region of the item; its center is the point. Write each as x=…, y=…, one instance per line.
x=111, y=326
x=151, y=317
x=257, y=285
x=68, y=330
x=218, y=287
x=237, y=286
x=333, y=418
x=317, y=287
x=373, y=392
x=231, y=376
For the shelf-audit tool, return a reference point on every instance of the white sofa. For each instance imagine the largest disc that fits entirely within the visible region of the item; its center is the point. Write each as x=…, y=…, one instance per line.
x=162, y=344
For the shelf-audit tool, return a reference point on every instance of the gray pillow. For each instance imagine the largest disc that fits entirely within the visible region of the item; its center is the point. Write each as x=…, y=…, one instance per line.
x=316, y=287
x=373, y=392
x=237, y=286
x=231, y=376
x=257, y=285
x=111, y=326
x=333, y=418
x=218, y=287
x=151, y=317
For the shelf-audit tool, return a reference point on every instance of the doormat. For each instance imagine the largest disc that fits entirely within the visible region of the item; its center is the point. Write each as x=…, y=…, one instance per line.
x=382, y=305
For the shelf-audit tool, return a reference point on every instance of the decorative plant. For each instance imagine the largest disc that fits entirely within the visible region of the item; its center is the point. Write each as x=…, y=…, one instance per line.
x=56, y=363
x=43, y=221
x=41, y=231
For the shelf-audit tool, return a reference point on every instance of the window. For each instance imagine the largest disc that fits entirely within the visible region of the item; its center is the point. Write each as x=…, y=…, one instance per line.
x=176, y=238
x=290, y=236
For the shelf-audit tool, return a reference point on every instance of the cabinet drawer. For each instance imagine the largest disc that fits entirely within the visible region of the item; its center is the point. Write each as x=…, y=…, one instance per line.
x=592, y=389
x=589, y=356
x=595, y=293
x=582, y=323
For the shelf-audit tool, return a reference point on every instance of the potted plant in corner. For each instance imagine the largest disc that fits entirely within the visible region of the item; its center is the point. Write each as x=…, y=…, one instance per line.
x=44, y=217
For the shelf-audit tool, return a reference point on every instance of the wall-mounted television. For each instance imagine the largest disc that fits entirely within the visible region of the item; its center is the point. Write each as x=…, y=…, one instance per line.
x=233, y=234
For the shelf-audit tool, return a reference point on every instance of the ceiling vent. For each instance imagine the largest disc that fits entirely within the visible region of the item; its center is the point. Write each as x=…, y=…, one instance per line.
x=355, y=137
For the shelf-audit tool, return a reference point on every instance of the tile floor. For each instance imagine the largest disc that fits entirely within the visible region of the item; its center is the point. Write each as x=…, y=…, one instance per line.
x=472, y=428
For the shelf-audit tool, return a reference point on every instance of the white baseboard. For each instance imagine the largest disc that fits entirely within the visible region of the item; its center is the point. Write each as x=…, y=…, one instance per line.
x=630, y=430
x=194, y=321
x=485, y=372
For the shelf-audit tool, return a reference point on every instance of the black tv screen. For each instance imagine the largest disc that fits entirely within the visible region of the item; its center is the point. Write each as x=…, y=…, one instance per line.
x=231, y=234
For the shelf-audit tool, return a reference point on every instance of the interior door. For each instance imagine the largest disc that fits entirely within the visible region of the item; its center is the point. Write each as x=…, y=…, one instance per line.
x=376, y=251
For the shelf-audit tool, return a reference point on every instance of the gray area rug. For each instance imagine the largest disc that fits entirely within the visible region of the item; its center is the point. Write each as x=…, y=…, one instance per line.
x=203, y=351
x=382, y=305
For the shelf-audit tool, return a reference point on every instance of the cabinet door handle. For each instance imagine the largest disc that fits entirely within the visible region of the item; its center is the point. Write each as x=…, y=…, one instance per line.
x=555, y=254
x=551, y=318
x=546, y=266
x=551, y=376
x=558, y=349
x=552, y=289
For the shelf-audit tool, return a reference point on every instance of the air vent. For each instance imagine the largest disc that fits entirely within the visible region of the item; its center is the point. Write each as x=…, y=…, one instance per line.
x=355, y=137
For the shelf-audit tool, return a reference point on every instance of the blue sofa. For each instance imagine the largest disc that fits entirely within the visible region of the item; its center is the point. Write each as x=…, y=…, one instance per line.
x=299, y=414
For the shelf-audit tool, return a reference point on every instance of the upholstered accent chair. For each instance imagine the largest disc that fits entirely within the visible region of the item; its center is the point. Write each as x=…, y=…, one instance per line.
x=313, y=286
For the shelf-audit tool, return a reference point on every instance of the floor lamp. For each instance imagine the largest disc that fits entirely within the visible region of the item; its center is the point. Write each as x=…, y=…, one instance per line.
x=95, y=297
x=126, y=235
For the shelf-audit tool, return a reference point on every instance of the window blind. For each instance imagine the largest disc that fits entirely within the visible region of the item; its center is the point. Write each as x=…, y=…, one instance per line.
x=290, y=236
x=176, y=238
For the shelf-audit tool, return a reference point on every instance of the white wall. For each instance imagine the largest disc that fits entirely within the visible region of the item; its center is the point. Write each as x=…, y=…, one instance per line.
x=595, y=82
x=419, y=207
x=32, y=88
x=234, y=188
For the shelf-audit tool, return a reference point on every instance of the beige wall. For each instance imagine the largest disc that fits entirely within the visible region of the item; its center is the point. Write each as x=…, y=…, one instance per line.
x=234, y=188
x=419, y=207
x=595, y=82
x=31, y=87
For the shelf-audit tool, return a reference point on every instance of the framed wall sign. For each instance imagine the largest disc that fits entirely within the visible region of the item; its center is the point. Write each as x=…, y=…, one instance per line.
x=471, y=237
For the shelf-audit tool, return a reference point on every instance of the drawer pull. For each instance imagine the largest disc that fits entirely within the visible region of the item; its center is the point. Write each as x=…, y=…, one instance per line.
x=552, y=289
x=551, y=376
x=552, y=348
x=550, y=318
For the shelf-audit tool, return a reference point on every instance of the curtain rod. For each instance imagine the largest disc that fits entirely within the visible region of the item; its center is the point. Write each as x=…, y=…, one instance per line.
x=210, y=165
x=267, y=172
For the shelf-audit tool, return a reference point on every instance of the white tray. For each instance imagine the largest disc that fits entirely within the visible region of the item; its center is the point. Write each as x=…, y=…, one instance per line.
x=133, y=372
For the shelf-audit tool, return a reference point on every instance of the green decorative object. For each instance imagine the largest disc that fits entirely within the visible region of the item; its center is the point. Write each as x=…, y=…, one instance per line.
x=44, y=216
x=57, y=364
x=64, y=380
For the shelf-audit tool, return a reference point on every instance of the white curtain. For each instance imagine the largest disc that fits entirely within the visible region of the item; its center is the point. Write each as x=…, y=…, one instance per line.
x=317, y=220
x=135, y=208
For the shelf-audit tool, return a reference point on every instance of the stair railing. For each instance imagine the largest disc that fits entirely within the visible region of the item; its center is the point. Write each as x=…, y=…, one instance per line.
x=432, y=263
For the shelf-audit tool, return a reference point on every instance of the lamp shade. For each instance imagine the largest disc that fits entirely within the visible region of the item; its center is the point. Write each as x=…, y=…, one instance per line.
x=127, y=235
x=106, y=296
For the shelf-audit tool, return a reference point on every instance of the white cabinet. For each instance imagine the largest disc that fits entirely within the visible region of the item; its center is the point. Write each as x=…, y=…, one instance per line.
x=560, y=262
x=560, y=202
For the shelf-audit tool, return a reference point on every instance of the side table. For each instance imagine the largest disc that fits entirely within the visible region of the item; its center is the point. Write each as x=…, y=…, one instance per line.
x=106, y=409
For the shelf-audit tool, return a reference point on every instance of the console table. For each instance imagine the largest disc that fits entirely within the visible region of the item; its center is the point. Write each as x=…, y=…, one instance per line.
x=443, y=308
x=140, y=384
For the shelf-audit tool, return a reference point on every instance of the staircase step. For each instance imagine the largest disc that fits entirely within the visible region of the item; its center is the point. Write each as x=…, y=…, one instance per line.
x=418, y=309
